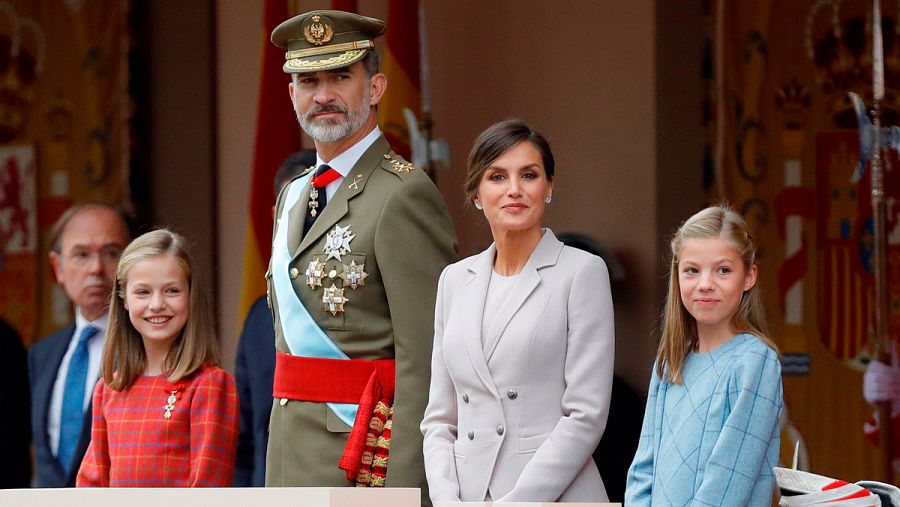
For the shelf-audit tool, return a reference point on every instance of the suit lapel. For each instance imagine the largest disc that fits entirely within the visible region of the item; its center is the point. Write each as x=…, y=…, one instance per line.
x=44, y=390
x=545, y=254
x=338, y=206
x=473, y=313
x=297, y=214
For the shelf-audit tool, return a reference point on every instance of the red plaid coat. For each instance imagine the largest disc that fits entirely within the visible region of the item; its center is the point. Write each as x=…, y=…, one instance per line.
x=134, y=445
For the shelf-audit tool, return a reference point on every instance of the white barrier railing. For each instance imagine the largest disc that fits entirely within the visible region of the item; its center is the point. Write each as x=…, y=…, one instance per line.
x=211, y=497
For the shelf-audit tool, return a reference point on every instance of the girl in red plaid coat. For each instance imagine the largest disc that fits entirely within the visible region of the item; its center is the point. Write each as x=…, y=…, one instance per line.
x=164, y=413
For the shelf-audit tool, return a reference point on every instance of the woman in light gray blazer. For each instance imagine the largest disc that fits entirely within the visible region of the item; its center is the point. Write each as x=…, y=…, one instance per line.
x=523, y=344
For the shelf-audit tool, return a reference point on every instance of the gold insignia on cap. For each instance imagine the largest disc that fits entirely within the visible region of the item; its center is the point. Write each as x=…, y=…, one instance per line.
x=318, y=32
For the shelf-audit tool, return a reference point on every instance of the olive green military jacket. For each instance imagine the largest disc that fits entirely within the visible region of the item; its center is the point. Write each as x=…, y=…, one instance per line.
x=404, y=237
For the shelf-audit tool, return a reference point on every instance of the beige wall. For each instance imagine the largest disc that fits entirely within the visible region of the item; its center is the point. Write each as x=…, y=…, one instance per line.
x=583, y=72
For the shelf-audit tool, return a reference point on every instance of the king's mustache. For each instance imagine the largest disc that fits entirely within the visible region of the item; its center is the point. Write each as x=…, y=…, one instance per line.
x=326, y=108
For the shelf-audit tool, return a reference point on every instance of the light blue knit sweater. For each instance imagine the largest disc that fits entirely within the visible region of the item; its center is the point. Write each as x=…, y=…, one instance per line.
x=713, y=439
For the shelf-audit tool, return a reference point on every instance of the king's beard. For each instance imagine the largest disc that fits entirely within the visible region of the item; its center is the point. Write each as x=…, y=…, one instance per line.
x=335, y=129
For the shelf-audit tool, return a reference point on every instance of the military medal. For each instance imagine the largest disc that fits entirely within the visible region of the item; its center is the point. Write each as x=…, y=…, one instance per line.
x=334, y=300
x=354, y=275
x=313, y=199
x=337, y=242
x=170, y=401
x=315, y=273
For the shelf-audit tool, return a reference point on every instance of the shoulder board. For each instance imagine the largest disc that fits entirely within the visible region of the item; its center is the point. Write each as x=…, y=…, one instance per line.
x=397, y=165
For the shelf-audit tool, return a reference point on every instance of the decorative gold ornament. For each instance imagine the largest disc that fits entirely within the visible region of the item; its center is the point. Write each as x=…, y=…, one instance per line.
x=315, y=273
x=354, y=275
x=318, y=32
x=400, y=167
x=334, y=300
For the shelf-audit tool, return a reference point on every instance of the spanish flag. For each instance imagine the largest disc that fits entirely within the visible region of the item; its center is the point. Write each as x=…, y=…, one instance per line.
x=400, y=63
x=277, y=136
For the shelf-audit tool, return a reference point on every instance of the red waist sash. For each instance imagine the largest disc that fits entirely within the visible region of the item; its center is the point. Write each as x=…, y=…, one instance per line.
x=345, y=381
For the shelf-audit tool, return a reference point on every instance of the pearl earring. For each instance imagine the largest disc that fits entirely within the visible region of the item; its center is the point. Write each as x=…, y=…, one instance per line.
x=548, y=199
x=478, y=205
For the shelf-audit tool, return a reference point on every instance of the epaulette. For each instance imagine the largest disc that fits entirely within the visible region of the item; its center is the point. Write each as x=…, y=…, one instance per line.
x=397, y=165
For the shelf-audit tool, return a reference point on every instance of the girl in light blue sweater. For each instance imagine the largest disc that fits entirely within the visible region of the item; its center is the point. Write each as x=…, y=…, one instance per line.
x=711, y=428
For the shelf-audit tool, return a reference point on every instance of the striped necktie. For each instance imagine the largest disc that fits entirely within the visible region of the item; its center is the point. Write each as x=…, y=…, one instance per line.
x=73, y=400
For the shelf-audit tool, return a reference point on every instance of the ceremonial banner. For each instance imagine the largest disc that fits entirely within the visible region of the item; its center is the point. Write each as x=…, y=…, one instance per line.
x=400, y=63
x=277, y=136
x=18, y=238
x=783, y=147
x=64, y=94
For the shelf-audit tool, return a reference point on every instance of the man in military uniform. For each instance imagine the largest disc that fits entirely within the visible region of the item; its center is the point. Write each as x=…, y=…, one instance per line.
x=360, y=241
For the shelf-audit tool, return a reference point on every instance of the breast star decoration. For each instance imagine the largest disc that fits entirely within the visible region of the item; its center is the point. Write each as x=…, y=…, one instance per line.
x=337, y=242
x=354, y=275
x=334, y=300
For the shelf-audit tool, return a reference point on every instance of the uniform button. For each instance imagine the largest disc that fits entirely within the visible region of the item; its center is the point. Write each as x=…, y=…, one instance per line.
x=465, y=397
x=500, y=429
x=471, y=435
x=294, y=273
x=512, y=394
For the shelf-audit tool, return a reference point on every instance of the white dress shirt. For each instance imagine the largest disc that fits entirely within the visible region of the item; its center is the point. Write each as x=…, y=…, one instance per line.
x=95, y=349
x=344, y=162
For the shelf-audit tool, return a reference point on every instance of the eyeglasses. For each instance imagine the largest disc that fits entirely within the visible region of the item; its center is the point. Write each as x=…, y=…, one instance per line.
x=83, y=257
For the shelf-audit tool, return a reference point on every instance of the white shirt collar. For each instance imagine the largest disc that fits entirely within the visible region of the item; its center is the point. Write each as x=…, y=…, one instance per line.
x=81, y=322
x=344, y=162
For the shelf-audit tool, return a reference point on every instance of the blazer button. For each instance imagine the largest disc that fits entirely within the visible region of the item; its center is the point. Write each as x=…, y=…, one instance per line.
x=500, y=429
x=512, y=394
x=465, y=397
x=294, y=273
x=471, y=435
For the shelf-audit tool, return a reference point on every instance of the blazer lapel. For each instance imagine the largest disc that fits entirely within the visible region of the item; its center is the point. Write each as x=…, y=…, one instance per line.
x=545, y=254
x=473, y=313
x=353, y=185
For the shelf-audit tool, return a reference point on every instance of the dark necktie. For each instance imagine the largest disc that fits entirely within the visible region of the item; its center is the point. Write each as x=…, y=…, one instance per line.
x=317, y=201
x=72, y=415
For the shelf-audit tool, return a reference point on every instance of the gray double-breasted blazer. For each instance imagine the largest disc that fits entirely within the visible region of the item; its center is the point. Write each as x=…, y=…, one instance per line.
x=518, y=414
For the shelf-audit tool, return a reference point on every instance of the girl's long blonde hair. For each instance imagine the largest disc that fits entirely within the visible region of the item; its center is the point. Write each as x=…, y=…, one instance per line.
x=679, y=329
x=124, y=358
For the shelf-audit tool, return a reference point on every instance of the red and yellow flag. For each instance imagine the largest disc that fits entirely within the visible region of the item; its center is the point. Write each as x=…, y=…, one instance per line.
x=400, y=63
x=277, y=136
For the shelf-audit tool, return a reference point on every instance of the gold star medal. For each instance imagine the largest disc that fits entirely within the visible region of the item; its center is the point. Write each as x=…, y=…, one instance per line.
x=334, y=300
x=337, y=242
x=354, y=275
x=315, y=273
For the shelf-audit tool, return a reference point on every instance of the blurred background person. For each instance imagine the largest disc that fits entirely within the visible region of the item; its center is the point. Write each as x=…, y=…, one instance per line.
x=63, y=367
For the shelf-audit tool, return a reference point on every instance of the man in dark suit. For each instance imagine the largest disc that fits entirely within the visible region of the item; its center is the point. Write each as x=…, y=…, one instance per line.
x=63, y=367
x=255, y=367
